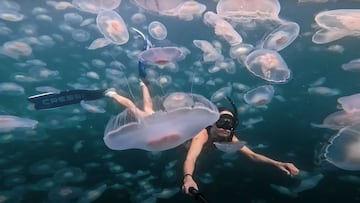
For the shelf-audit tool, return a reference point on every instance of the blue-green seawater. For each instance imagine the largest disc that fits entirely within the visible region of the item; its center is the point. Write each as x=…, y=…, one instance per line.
x=286, y=126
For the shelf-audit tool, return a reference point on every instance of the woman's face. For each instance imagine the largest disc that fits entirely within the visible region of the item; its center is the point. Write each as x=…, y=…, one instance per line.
x=219, y=130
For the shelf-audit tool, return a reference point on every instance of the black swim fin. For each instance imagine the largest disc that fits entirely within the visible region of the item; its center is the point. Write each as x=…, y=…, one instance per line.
x=52, y=100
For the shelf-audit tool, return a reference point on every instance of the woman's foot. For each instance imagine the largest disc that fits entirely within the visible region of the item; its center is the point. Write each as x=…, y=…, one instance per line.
x=110, y=92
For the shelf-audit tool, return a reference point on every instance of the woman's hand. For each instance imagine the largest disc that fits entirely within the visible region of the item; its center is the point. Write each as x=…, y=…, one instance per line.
x=188, y=183
x=288, y=168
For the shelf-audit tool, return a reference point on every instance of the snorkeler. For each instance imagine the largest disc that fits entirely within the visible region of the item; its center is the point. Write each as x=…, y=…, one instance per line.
x=223, y=131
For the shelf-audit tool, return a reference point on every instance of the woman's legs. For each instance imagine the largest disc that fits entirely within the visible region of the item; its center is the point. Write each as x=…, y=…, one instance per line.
x=148, y=105
x=126, y=103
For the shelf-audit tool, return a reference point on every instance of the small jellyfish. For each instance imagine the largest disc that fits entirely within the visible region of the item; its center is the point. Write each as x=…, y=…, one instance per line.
x=167, y=193
x=282, y=37
x=259, y=96
x=11, y=15
x=113, y=27
x=323, y=91
x=222, y=28
x=15, y=49
x=92, y=106
x=80, y=35
x=71, y=174
x=353, y=66
x=46, y=166
x=73, y=18
x=10, y=123
x=64, y=194
x=229, y=147
x=93, y=194
x=268, y=65
x=221, y=93
x=99, y=43
x=209, y=52
x=138, y=18
x=157, y=30
x=161, y=56
x=10, y=88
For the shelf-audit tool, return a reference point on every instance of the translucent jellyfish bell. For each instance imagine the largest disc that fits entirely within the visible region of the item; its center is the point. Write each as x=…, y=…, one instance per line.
x=10, y=123
x=268, y=65
x=282, y=37
x=340, y=119
x=343, y=149
x=166, y=128
x=157, y=30
x=95, y=6
x=178, y=100
x=229, y=147
x=158, y=6
x=161, y=55
x=351, y=103
x=113, y=27
x=239, y=10
x=336, y=24
x=259, y=96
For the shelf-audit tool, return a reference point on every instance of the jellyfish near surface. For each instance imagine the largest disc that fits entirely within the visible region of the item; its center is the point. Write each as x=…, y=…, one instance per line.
x=343, y=150
x=166, y=128
x=258, y=96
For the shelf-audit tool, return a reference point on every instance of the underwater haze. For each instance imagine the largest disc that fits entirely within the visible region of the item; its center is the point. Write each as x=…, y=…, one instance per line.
x=285, y=64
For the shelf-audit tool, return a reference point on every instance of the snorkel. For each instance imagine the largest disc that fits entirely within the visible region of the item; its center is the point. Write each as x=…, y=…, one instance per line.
x=234, y=111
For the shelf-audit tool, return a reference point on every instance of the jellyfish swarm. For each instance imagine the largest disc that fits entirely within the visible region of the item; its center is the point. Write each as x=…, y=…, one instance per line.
x=161, y=56
x=343, y=150
x=268, y=65
x=336, y=24
x=181, y=117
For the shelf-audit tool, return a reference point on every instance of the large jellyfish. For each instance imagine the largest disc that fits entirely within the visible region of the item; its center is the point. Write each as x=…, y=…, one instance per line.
x=336, y=24
x=181, y=117
x=161, y=56
x=240, y=10
x=343, y=149
x=282, y=37
x=268, y=65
